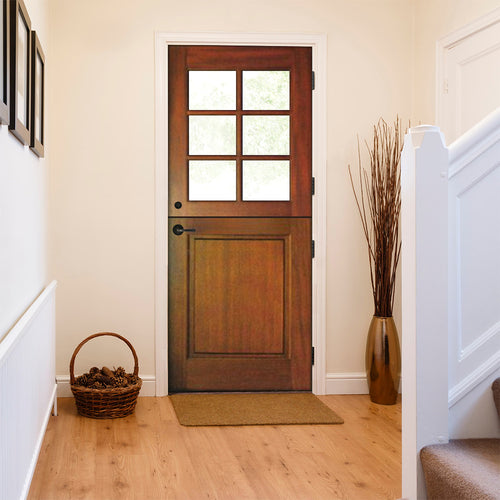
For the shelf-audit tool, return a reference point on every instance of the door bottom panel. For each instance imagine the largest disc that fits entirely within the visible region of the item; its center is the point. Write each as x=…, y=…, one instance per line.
x=240, y=304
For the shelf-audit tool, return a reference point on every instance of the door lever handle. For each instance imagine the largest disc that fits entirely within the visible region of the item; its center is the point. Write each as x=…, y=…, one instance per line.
x=178, y=229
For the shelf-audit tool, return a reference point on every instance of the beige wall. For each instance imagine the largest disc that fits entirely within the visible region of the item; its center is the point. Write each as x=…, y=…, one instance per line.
x=102, y=129
x=102, y=146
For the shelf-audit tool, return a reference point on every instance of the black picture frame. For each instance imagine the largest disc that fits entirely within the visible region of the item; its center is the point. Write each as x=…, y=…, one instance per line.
x=4, y=61
x=37, y=110
x=20, y=70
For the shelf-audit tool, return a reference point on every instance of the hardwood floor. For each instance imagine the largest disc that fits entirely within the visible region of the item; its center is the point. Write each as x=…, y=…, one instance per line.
x=149, y=456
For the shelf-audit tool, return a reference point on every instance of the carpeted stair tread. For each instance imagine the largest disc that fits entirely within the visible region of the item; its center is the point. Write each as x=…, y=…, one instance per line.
x=496, y=394
x=462, y=469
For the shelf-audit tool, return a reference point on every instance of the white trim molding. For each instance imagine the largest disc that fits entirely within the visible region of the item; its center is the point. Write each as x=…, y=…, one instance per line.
x=456, y=393
x=481, y=340
x=64, y=387
x=474, y=143
x=318, y=43
x=12, y=337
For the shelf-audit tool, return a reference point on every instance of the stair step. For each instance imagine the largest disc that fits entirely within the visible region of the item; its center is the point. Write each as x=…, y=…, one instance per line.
x=462, y=469
x=496, y=394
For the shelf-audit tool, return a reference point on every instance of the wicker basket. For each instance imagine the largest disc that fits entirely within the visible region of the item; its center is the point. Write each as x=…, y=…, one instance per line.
x=111, y=402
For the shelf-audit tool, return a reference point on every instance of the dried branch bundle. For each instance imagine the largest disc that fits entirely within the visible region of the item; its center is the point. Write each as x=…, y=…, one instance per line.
x=379, y=204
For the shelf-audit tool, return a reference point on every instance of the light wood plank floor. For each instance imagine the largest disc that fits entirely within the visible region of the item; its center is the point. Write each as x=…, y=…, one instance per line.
x=149, y=456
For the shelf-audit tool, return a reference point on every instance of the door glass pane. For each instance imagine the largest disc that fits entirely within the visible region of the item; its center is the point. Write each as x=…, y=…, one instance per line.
x=212, y=180
x=266, y=180
x=266, y=135
x=266, y=90
x=212, y=90
x=212, y=135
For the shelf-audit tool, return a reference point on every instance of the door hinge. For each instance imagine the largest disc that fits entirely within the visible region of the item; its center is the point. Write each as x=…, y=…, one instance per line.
x=312, y=355
x=313, y=249
x=313, y=80
x=445, y=85
x=313, y=186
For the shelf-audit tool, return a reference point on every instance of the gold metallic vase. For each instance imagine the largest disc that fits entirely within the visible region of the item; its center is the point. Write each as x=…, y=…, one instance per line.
x=383, y=361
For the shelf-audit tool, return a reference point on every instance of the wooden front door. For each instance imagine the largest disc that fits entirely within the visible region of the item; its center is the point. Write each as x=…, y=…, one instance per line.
x=239, y=218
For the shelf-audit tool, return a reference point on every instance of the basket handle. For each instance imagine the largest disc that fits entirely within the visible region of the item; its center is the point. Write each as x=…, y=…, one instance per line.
x=83, y=342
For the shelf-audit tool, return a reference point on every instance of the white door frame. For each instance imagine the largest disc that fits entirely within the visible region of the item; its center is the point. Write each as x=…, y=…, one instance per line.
x=318, y=43
x=443, y=46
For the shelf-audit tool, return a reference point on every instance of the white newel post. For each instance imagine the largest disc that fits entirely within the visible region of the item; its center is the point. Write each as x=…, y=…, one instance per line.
x=424, y=227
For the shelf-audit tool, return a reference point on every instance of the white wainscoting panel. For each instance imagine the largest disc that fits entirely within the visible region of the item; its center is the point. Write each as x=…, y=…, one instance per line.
x=27, y=392
x=474, y=264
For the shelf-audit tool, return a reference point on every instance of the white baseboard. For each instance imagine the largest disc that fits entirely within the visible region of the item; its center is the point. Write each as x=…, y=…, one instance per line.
x=64, y=389
x=346, y=383
x=38, y=446
x=336, y=383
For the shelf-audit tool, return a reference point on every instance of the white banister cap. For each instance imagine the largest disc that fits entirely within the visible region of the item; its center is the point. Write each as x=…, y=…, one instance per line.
x=424, y=128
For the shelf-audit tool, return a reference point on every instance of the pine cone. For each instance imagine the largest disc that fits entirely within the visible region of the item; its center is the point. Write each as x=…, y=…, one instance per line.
x=107, y=381
x=99, y=379
x=107, y=372
x=82, y=380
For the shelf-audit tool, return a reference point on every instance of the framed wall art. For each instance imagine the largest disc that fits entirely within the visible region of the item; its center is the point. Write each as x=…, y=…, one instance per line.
x=37, y=110
x=20, y=66
x=4, y=61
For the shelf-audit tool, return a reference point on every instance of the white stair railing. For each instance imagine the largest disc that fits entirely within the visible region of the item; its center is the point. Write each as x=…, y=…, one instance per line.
x=450, y=220
x=424, y=220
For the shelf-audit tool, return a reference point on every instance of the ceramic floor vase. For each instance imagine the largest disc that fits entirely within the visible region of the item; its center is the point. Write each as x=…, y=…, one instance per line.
x=383, y=360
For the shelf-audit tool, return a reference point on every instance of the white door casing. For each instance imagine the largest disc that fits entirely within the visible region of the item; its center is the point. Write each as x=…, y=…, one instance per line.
x=318, y=43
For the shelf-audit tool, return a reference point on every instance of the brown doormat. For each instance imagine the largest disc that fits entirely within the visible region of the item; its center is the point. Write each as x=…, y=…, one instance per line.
x=252, y=409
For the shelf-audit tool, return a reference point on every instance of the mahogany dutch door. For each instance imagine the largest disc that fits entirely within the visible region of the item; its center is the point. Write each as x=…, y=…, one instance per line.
x=240, y=252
